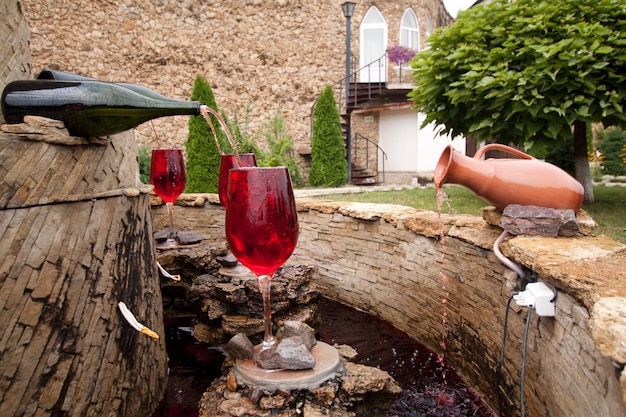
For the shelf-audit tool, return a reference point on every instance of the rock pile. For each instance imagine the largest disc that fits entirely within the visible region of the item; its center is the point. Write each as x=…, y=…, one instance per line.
x=225, y=306
x=360, y=391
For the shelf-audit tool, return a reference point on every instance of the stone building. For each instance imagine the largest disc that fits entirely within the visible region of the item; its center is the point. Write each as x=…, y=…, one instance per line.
x=261, y=58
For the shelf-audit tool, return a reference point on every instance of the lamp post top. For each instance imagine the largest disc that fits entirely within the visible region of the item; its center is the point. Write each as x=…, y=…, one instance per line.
x=348, y=8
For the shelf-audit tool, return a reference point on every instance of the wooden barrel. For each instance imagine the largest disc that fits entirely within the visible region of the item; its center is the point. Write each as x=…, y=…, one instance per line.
x=76, y=239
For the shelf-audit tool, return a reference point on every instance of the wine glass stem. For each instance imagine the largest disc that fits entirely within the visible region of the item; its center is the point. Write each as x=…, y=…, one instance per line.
x=265, y=285
x=170, y=215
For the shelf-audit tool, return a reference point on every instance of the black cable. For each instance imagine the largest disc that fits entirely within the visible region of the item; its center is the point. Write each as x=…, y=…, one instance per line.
x=530, y=310
x=499, y=369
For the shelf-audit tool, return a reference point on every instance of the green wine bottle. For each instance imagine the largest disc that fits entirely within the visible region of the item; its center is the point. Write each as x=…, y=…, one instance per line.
x=89, y=107
x=49, y=74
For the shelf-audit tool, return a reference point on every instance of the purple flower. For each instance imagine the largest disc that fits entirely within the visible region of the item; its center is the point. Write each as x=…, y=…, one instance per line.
x=399, y=54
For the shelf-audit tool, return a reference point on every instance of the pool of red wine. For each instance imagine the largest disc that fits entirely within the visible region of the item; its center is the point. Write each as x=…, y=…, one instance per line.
x=427, y=393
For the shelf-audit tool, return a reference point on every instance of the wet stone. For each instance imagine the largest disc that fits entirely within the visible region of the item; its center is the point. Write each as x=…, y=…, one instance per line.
x=292, y=329
x=287, y=353
x=240, y=347
x=539, y=221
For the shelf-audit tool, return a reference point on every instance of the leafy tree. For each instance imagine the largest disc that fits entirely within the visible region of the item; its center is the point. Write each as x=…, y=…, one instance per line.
x=203, y=157
x=329, y=167
x=281, y=150
x=612, y=142
x=526, y=72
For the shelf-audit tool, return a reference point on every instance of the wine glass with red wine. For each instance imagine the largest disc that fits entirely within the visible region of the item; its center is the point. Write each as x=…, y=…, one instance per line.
x=261, y=226
x=227, y=162
x=167, y=174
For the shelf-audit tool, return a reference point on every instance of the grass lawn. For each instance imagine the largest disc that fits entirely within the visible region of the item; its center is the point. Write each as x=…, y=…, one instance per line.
x=609, y=209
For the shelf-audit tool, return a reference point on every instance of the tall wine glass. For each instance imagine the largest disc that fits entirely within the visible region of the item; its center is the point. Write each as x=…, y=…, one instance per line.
x=167, y=174
x=261, y=226
x=227, y=162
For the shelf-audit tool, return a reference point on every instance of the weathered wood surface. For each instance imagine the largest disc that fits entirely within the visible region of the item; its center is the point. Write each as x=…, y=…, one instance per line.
x=65, y=349
x=48, y=170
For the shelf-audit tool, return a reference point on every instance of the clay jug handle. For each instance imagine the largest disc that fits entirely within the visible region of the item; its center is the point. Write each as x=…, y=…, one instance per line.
x=479, y=153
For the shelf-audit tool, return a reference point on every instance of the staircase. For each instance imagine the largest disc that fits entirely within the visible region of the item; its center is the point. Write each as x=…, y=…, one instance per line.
x=364, y=152
x=364, y=170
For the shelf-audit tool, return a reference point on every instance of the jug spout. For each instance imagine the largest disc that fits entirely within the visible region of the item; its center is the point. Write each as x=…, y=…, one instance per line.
x=523, y=180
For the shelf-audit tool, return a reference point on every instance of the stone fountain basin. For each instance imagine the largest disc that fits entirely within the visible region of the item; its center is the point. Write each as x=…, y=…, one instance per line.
x=386, y=259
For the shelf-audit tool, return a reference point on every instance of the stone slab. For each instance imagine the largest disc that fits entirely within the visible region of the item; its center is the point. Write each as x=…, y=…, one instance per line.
x=327, y=366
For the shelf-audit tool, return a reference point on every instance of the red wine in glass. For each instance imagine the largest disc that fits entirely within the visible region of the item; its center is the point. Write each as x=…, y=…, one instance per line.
x=167, y=174
x=227, y=162
x=261, y=226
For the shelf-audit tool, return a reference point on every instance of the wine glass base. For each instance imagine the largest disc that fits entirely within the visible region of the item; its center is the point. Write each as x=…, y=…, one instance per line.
x=237, y=271
x=178, y=245
x=168, y=244
x=327, y=366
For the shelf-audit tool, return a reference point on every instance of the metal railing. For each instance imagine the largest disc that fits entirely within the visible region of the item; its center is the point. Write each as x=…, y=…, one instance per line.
x=377, y=67
x=363, y=144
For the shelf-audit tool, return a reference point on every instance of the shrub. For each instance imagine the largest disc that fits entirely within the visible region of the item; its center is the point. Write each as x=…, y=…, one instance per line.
x=203, y=157
x=243, y=141
x=144, y=155
x=280, y=150
x=329, y=167
x=611, y=145
x=562, y=155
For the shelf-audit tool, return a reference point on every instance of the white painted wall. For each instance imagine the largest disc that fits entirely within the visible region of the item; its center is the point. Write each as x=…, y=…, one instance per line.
x=431, y=145
x=410, y=149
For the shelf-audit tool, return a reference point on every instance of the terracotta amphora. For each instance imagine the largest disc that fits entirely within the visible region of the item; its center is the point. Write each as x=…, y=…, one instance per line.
x=526, y=181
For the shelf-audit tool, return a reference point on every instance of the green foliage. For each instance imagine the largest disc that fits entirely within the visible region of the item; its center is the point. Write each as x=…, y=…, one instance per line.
x=203, y=157
x=281, y=150
x=145, y=156
x=612, y=142
x=243, y=141
x=329, y=167
x=525, y=70
x=562, y=155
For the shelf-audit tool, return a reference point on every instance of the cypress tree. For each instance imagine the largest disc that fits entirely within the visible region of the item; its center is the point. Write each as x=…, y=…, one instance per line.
x=329, y=167
x=203, y=157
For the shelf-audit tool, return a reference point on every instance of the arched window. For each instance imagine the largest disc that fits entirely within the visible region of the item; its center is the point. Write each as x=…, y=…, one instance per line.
x=373, y=32
x=409, y=31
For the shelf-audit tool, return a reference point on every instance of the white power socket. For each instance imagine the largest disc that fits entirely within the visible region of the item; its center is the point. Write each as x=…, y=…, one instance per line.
x=539, y=296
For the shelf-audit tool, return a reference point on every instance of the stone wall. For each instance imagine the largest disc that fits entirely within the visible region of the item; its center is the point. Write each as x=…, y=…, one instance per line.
x=261, y=57
x=392, y=262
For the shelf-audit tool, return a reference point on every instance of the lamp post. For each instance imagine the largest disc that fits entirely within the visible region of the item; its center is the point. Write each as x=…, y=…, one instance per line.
x=348, y=11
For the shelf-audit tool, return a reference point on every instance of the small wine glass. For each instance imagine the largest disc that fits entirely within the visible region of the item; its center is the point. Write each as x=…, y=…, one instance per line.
x=227, y=162
x=262, y=227
x=167, y=174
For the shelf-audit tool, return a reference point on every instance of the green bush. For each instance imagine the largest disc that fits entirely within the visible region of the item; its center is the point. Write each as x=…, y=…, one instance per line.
x=562, y=156
x=144, y=155
x=611, y=145
x=243, y=141
x=281, y=150
x=203, y=157
x=329, y=167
